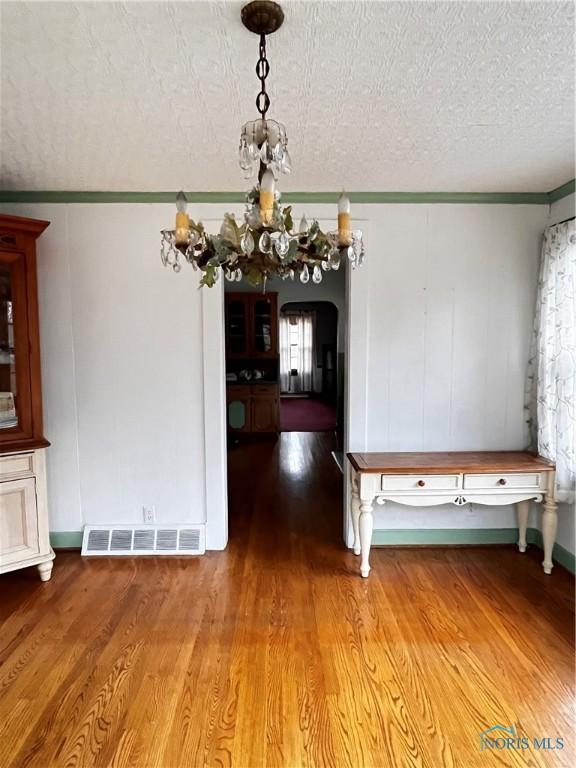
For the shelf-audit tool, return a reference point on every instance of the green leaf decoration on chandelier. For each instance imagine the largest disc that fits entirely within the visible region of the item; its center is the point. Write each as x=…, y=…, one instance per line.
x=287, y=213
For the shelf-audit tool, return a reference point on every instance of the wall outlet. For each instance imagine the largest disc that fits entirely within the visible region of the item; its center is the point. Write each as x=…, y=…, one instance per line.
x=149, y=514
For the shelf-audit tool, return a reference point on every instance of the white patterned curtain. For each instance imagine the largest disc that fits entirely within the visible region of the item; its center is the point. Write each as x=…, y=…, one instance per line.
x=297, y=355
x=284, y=354
x=551, y=384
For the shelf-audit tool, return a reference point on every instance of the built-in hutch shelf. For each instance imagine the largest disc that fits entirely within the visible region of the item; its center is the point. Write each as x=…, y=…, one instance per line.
x=252, y=363
x=24, y=530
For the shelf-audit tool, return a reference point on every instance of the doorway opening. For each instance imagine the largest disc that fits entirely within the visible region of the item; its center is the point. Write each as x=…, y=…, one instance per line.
x=285, y=364
x=309, y=382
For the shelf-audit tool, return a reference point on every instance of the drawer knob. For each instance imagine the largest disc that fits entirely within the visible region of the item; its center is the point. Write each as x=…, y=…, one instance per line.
x=421, y=483
x=502, y=481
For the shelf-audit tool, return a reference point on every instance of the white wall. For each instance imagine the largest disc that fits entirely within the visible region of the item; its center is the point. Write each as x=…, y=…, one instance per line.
x=440, y=318
x=566, y=536
x=442, y=313
x=121, y=345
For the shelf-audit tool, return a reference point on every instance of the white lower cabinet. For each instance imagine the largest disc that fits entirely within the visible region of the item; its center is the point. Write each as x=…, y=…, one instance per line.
x=24, y=531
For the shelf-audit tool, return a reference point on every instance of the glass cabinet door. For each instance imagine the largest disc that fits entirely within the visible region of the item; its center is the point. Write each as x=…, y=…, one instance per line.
x=8, y=381
x=236, y=327
x=262, y=326
x=15, y=402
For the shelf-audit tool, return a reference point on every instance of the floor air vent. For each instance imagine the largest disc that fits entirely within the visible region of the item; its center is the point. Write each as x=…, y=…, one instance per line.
x=143, y=540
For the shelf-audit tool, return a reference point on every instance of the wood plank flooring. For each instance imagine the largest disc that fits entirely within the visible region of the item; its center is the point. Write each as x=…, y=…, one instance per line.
x=276, y=653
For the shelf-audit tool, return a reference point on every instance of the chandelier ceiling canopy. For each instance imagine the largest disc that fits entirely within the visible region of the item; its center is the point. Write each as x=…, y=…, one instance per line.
x=266, y=243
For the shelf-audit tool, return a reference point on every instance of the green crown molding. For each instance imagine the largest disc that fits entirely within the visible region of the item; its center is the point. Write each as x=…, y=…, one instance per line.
x=489, y=198
x=563, y=191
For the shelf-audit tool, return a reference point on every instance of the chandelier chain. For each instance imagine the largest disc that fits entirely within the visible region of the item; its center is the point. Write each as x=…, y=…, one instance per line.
x=267, y=243
x=262, y=71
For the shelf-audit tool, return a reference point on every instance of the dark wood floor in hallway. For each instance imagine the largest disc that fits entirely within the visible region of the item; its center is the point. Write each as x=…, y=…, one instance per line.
x=276, y=653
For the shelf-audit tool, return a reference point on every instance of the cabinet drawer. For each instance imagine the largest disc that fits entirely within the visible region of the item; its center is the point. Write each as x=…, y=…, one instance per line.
x=420, y=482
x=17, y=465
x=510, y=480
x=234, y=391
x=265, y=390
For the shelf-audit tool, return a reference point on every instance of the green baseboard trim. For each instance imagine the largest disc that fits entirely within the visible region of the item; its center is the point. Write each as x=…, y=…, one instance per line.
x=439, y=536
x=560, y=555
x=407, y=537
x=446, y=536
x=489, y=198
x=563, y=191
x=66, y=539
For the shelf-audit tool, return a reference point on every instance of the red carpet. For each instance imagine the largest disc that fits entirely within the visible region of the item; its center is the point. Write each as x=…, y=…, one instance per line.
x=303, y=415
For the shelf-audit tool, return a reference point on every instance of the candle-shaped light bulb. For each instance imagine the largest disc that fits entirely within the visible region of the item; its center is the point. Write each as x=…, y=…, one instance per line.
x=181, y=202
x=344, y=235
x=303, y=225
x=182, y=220
x=267, y=186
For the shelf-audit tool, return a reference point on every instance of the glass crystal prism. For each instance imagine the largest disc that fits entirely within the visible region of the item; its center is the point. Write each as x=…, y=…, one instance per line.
x=286, y=164
x=266, y=153
x=244, y=157
x=247, y=243
x=265, y=244
x=282, y=244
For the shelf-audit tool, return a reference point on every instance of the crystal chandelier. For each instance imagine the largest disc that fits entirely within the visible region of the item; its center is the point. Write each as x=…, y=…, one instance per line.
x=266, y=243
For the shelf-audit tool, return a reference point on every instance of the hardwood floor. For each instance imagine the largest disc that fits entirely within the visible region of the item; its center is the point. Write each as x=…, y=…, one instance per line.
x=276, y=653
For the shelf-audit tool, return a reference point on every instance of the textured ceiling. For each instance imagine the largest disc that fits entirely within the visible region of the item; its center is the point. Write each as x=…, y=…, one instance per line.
x=403, y=96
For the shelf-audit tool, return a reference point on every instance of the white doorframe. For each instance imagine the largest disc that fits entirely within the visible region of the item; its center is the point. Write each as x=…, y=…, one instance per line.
x=356, y=375
x=214, y=381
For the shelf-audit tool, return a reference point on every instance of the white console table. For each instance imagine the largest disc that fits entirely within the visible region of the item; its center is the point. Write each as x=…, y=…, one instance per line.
x=428, y=479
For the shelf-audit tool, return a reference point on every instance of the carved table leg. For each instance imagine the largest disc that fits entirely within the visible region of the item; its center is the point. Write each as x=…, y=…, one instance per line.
x=366, y=524
x=522, y=509
x=356, y=515
x=549, y=525
x=45, y=570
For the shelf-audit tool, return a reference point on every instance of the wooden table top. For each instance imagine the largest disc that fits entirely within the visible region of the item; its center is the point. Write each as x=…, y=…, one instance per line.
x=453, y=461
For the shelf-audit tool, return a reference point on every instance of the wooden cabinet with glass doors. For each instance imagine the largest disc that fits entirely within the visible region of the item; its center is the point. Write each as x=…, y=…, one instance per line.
x=252, y=363
x=251, y=325
x=24, y=532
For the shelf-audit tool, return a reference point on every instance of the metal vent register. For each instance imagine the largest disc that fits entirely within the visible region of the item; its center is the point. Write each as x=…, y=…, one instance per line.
x=143, y=540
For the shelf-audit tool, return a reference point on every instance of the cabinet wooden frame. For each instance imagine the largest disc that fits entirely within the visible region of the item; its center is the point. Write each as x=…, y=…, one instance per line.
x=261, y=407
x=18, y=250
x=249, y=302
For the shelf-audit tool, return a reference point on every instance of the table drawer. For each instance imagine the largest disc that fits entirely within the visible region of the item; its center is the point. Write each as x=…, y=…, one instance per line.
x=506, y=480
x=420, y=482
x=16, y=465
